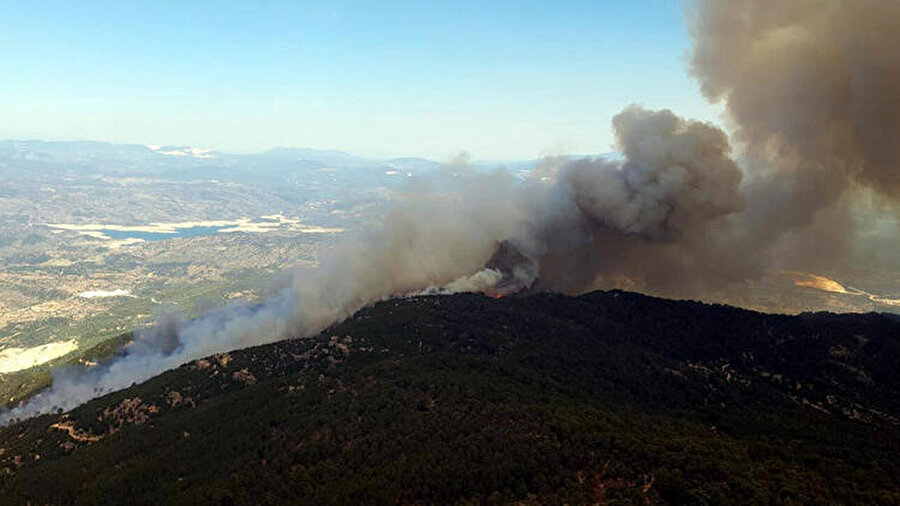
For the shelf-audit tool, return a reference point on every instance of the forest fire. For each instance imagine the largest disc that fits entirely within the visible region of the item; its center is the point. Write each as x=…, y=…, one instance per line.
x=829, y=285
x=821, y=283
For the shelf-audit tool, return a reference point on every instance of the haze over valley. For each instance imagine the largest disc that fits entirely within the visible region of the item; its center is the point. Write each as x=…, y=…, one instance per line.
x=99, y=239
x=641, y=252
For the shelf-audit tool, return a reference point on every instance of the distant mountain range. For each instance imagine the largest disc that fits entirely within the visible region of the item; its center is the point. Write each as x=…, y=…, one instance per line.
x=293, y=176
x=296, y=174
x=98, y=152
x=610, y=397
x=138, y=159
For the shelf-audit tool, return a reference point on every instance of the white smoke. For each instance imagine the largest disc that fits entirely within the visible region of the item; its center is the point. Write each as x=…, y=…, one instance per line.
x=811, y=88
x=455, y=231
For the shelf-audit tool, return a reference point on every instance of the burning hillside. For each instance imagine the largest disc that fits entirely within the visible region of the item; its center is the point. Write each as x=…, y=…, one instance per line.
x=810, y=89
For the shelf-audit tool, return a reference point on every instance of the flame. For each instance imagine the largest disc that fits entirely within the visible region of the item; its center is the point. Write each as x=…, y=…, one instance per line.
x=884, y=300
x=830, y=285
x=821, y=283
x=494, y=294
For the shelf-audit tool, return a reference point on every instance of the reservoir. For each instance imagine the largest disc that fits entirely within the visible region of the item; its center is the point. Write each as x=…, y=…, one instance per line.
x=161, y=236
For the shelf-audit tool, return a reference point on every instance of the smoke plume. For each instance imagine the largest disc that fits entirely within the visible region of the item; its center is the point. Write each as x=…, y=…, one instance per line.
x=460, y=230
x=812, y=91
x=811, y=88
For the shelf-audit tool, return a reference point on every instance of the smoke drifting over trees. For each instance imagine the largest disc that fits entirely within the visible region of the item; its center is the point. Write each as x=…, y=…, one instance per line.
x=811, y=89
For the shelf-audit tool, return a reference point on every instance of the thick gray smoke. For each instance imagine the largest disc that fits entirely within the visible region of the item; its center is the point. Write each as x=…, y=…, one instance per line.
x=813, y=83
x=459, y=230
x=812, y=89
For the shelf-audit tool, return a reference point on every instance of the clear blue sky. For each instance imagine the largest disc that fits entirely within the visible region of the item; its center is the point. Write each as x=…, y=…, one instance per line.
x=499, y=79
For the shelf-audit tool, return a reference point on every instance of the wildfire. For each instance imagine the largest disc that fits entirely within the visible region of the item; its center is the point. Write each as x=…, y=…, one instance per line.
x=830, y=285
x=821, y=283
x=884, y=300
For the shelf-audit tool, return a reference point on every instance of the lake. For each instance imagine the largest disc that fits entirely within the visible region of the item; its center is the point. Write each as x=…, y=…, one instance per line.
x=161, y=236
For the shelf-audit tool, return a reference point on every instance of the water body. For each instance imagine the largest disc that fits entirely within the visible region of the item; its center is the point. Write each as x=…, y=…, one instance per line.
x=161, y=236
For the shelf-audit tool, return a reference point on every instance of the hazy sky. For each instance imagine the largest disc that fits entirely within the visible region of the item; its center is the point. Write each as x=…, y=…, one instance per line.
x=499, y=79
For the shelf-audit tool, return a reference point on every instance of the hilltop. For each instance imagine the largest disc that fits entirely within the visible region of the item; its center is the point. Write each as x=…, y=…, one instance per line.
x=609, y=396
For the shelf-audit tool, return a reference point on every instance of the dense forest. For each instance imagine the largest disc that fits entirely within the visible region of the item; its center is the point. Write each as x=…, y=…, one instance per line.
x=609, y=397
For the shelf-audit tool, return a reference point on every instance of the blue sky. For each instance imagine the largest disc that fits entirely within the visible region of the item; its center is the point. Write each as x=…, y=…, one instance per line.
x=501, y=80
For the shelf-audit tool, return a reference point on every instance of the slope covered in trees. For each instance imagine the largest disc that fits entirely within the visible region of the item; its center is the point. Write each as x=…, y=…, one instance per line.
x=610, y=396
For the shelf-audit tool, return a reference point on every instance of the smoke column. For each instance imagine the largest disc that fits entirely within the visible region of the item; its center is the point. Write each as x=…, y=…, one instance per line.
x=811, y=88
x=457, y=230
x=812, y=91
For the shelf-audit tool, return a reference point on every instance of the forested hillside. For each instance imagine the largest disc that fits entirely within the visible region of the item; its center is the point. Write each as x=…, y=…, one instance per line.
x=606, y=397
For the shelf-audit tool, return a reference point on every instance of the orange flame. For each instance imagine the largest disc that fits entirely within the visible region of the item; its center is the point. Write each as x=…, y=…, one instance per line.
x=830, y=285
x=821, y=283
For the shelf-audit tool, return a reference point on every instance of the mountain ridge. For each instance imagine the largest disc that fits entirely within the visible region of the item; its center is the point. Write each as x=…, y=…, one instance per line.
x=542, y=398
